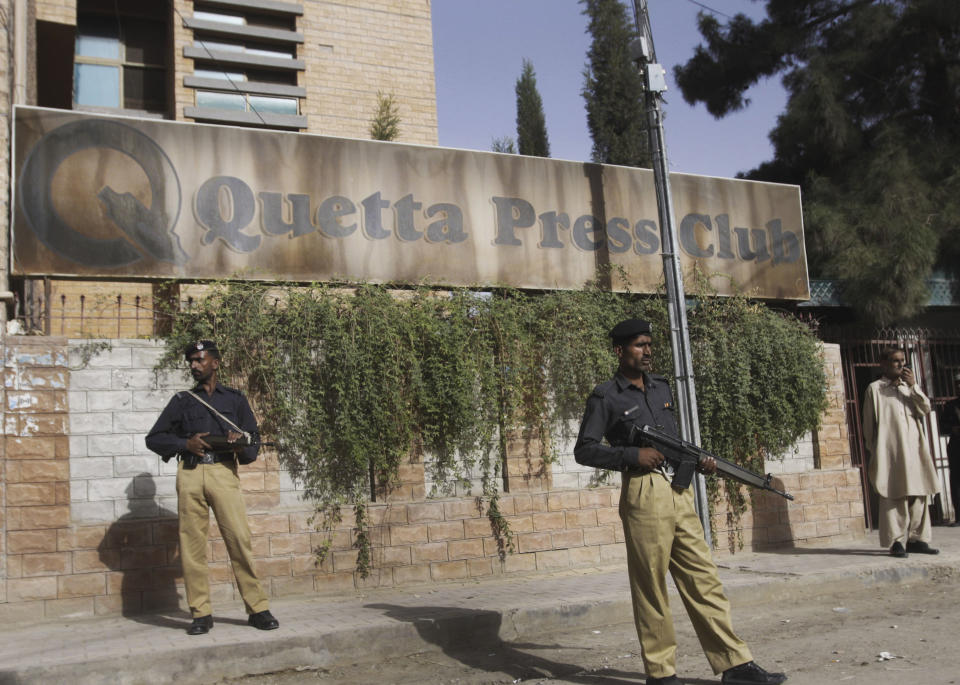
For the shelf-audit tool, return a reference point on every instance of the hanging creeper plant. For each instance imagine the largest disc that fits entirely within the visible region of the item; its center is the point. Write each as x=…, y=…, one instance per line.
x=349, y=382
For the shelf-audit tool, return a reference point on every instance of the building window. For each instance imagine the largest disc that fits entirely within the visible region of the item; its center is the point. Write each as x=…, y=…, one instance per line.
x=120, y=56
x=246, y=102
x=246, y=69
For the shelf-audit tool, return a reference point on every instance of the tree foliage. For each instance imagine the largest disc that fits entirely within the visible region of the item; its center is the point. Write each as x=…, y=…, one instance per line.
x=385, y=124
x=613, y=88
x=760, y=381
x=870, y=131
x=350, y=382
x=531, y=123
x=505, y=145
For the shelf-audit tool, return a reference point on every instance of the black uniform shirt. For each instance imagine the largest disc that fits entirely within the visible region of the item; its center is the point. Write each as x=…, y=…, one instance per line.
x=184, y=416
x=604, y=418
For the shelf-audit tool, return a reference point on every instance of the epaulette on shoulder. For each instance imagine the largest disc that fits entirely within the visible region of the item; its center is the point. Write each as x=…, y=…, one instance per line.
x=601, y=390
x=658, y=377
x=233, y=390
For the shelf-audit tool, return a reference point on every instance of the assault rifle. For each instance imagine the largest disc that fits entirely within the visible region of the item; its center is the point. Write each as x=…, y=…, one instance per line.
x=220, y=443
x=685, y=456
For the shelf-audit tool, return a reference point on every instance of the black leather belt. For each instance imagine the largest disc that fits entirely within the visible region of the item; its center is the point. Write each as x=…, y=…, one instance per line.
x=214, y=458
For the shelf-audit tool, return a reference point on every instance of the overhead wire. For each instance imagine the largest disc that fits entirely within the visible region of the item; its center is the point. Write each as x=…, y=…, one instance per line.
x=709, y=9
x=229, y=80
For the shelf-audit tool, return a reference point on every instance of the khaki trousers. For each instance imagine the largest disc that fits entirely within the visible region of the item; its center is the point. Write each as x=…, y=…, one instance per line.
x=663, y=533
x=217, y=487
x=903, y=520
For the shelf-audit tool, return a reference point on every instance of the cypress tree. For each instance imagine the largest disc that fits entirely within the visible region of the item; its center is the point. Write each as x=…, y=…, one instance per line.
x=531, y=123
x=613, y=88
x=385, y=124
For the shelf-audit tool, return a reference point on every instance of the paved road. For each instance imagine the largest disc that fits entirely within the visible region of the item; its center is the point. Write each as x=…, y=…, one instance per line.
x=829, y=638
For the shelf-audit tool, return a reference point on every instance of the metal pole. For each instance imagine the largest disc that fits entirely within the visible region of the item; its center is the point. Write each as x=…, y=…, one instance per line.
x=654, y=79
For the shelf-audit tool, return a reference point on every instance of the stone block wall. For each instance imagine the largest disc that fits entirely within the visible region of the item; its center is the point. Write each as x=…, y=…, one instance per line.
x=89, y=525
x=828, y=504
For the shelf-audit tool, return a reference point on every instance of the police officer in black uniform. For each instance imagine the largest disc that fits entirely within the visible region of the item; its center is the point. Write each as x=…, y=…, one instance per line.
x=207, y=479
x=662, y=530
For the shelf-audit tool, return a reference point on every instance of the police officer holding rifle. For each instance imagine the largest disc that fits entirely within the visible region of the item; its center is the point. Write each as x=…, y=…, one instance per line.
x=212, y=430
x=661, y=527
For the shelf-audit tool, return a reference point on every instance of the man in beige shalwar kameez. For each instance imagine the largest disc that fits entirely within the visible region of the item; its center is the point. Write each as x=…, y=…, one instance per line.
x=901, y=469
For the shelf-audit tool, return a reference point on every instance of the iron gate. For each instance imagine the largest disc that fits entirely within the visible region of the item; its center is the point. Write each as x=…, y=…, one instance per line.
x=934, y=355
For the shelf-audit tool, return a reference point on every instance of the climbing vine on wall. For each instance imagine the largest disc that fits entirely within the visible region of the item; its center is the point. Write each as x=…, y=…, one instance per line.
x=348, y=382
x=760, y=382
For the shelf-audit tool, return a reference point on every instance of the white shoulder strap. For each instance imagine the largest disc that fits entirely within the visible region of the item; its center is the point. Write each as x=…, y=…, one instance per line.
x=204, y=403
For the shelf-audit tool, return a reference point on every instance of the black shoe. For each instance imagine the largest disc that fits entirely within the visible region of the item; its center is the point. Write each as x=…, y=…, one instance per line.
x=263, y=620
x=669, y=680
x=751, y=674
x=897, y=550
x=201, y=625
x=921, y=547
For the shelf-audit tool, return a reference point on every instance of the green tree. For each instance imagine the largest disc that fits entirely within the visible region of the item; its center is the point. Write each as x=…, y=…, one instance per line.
x=385, y=124
x=613, y=88
x=531, y=123
x=505, y=145
x=870, y=132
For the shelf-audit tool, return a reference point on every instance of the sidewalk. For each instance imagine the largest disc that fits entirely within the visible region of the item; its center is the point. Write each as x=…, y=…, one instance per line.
x=324, y=632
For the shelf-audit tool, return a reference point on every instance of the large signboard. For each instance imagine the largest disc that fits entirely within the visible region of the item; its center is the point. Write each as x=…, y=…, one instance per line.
x=112, y=196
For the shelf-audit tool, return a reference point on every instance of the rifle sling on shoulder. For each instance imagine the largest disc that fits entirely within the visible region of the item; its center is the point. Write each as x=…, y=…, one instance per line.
x=219, y=443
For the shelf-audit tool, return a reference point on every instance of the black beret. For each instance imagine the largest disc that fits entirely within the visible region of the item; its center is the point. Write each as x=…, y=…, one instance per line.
x=202, y=345
x=630, y=329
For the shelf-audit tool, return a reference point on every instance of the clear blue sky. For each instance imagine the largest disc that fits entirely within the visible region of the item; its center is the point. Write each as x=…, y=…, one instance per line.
x=479, y=46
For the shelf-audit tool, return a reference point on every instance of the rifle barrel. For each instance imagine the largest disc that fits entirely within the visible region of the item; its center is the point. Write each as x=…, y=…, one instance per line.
x=725, y=467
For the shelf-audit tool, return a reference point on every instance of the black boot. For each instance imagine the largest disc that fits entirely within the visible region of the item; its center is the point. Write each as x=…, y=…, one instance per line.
x=751, y=674
x=201, y=625
x=263, y=620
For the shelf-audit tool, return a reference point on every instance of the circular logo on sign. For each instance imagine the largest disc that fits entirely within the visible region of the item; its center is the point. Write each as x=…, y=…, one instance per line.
x=148, y=230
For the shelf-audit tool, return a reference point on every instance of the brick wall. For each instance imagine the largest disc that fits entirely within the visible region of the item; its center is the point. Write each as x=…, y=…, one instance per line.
x=828, y=504
x=90, y=512
x=59, y=11
x=182, y=66
x=353, y=50
x=40, y=576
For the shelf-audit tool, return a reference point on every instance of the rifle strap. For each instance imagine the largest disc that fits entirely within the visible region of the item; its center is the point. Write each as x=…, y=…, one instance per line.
x=219, y=415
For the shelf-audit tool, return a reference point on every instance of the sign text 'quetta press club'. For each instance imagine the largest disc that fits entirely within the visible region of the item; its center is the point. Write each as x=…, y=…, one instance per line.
x=110, y=196
x=341, y=217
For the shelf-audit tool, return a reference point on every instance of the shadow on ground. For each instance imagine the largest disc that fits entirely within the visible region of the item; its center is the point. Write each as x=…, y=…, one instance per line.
x=451, y=628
